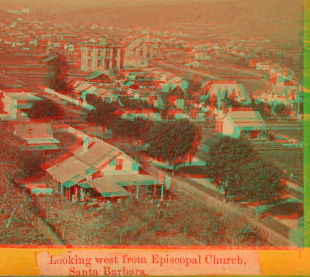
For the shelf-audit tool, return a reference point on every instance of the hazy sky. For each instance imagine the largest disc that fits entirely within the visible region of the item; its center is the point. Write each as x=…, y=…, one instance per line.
x=99, y=2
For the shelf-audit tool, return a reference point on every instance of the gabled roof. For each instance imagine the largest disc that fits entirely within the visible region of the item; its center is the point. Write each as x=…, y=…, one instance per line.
x=98, y=152
x=246, y=118
x=102, y=91
x=284, y=91
x=92, y=89
x=69, y=169
x=134, y=43
x=281, y=91
x=76, y=83
x=92, y=75
x=219, y=88
x=83, y=86
x=98, y=76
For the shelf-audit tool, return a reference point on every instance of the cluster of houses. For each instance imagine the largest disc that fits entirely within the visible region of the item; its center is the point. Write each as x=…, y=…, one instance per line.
x=89, y=169
x=90, y=172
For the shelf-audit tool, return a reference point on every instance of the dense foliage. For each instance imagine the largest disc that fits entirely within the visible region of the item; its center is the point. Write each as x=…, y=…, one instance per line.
x=237, y=167
x=45, y=110
x=174, y=142
x=57, y=72
x=137, y=129
x=104, y=114
x=282, y=110
x=135, y=104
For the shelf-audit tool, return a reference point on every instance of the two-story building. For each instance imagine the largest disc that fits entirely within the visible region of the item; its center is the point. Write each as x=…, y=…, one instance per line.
x=218, y=90
x=138, y=52
x=101, y=56
x=96, y=169
x=290, y=96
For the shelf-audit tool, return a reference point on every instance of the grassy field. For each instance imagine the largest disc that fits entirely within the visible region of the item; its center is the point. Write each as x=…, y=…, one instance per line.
x=146, y=221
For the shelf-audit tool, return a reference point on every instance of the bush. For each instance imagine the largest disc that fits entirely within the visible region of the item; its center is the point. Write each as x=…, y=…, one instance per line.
x=282, y=110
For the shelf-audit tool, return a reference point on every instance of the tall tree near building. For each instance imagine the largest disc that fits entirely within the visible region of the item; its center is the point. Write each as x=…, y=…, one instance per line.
x=174, y=142
x=104, y=114
x=57, y=72
x=238, y=168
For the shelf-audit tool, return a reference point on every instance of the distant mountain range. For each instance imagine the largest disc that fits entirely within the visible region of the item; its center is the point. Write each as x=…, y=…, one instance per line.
x=273, y=19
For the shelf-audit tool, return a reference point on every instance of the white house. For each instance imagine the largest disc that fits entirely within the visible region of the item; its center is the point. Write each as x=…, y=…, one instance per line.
x=290, y=96
x=218, y=89
x=15, y=102
x=242, y=121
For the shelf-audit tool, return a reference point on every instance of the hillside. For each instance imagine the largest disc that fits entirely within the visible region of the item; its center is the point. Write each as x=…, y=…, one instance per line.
x=274, y=19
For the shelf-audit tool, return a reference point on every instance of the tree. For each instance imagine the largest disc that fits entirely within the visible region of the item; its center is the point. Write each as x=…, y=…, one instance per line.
x=174, y=142
x=229, y=100
x=282, y=110
x=93, y=100
x=57, y=72
x=45, y=110
x=122, y=128
x=141, y=128
x=232, y=162
x=263, y=108
x=104, y=114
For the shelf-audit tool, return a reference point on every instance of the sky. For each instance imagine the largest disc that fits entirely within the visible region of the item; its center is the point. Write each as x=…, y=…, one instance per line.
x=100, y=2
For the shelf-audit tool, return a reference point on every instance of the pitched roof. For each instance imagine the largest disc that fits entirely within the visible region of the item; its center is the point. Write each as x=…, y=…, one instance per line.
x=284, y=91
x=107, y=187
x=130, y=179
x=98, y=152
x=21, y=96
x=92, y=89
x=49, y=58
x=134, y=43
x=92, y=75
x=220, y=88
x=83, y=86
x=246, y=118
x=69, y=169
x=35, y=133
x=98, y=76
x=280, y=91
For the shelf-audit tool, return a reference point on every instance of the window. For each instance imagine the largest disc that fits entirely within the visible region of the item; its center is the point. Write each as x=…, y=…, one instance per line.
x=89, y=52
x=99, y=52
x=89, y=62
x=119, y=164
x=245, y=132
x=99, y=62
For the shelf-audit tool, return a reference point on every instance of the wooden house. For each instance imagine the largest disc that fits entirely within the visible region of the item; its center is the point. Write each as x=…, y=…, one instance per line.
x=238, y=122
x=36, y=136
x=98, y=170
x=15, y=102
